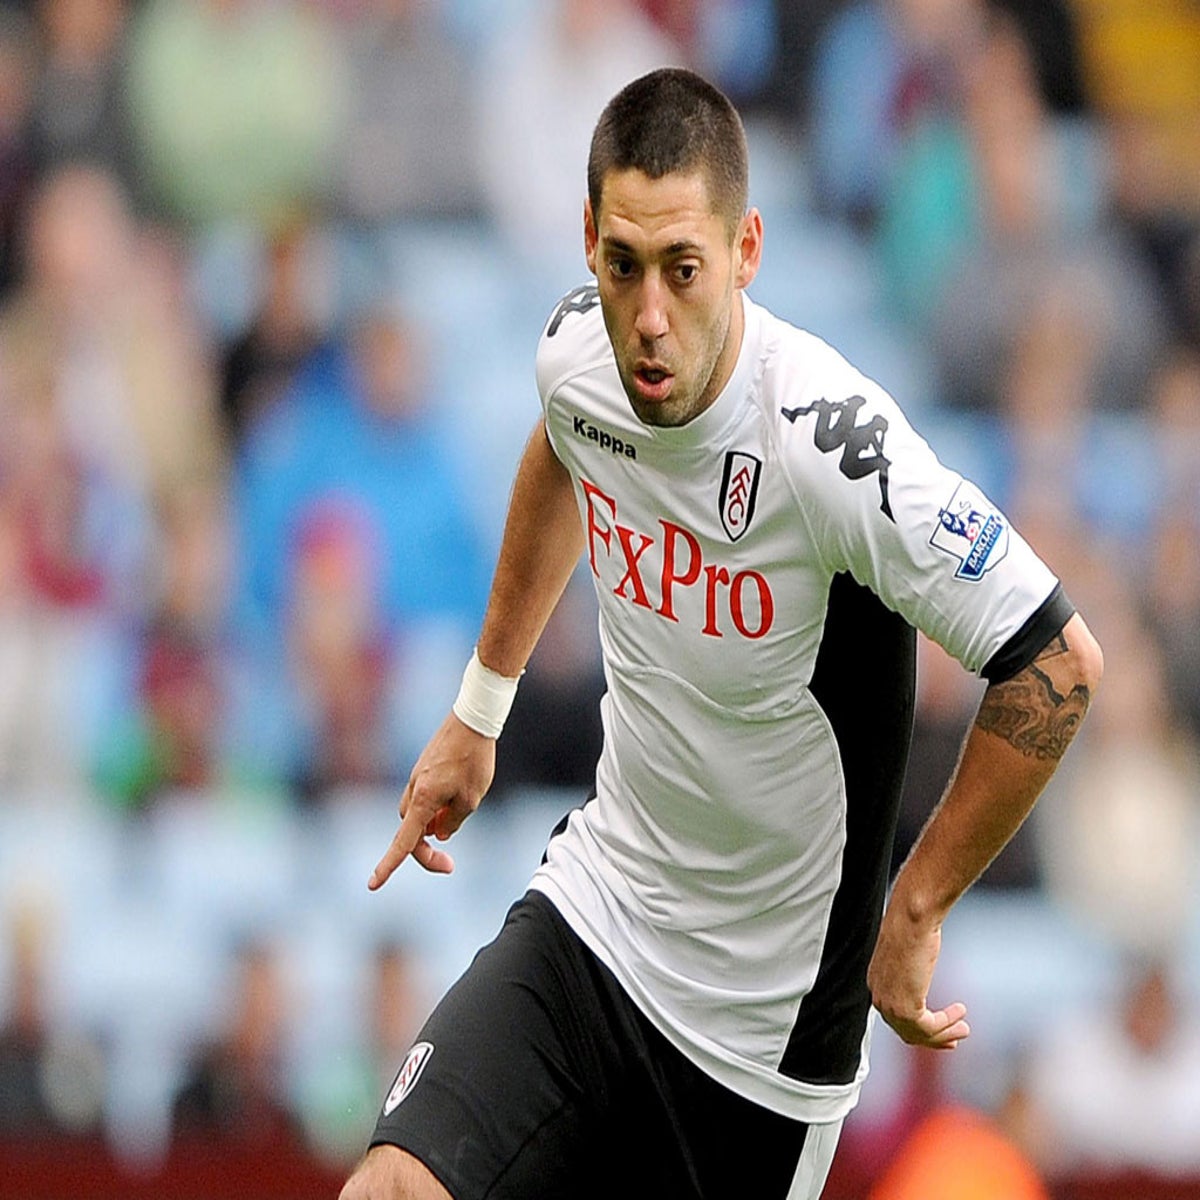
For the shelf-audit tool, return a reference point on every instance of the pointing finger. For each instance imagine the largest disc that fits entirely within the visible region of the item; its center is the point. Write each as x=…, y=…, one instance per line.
x=403, y=842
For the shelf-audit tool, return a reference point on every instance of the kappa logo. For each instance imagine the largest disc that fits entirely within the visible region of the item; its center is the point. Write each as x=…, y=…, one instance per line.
x=602, y=438
x=970, y=530
x=408, y=1075
x=580, y=300
x=739, y=491
x=861, y=445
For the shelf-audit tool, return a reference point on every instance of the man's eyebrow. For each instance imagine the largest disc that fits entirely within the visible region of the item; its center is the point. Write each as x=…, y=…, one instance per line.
x=675, y=248
x=616, y=244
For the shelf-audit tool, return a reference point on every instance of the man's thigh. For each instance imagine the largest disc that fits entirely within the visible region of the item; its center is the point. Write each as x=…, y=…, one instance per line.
x=537, y=1078
x=504, y=1091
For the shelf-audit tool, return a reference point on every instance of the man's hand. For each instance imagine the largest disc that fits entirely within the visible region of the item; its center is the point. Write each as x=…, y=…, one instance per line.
x=899, y=976
x=543, y=539
x=1023, y=727
x=444, y=789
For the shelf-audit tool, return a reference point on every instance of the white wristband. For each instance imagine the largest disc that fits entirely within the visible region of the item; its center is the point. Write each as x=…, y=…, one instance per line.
x=484, y=698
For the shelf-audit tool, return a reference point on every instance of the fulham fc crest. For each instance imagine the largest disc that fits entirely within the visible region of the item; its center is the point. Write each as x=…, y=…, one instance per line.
x=410, y=1072
x=739, y=490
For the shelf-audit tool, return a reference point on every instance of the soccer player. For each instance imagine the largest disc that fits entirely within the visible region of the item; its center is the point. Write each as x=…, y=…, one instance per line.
x=679, y=1005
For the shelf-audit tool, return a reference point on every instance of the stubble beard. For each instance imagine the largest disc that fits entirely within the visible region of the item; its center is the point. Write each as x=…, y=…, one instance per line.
x=679, y=408
x=665, y=414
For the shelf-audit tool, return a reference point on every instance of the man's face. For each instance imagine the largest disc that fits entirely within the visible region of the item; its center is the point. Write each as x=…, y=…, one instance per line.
x=668, y=269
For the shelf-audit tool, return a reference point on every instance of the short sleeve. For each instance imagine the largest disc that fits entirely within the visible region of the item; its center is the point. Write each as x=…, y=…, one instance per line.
x=921, y=536
x=572, y=341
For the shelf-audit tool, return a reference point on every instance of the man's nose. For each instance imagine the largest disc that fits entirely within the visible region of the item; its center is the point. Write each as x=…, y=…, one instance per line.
x=651, y=321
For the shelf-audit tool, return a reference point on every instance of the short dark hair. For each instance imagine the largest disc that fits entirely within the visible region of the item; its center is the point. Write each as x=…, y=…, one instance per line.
x=673, y=120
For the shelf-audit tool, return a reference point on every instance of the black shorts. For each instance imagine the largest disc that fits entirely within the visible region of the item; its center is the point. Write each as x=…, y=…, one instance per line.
x=537, y=1078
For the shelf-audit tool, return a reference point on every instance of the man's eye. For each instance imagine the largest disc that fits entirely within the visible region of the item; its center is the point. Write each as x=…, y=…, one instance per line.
x=622, y=268
x=686, y=272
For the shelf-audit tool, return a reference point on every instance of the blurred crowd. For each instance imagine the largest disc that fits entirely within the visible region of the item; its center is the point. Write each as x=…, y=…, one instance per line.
x=271, y=277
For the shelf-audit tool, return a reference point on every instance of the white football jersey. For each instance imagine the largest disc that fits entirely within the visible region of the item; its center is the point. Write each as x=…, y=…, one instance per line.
x=759, y=572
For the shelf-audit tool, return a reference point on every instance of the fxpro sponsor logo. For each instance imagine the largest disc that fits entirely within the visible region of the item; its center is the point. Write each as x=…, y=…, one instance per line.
x=408, y=1075
x=972, y=531
x=656, y=571
x=602, y=438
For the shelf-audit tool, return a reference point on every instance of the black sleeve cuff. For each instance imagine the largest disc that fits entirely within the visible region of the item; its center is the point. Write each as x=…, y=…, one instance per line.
x=1024, y=645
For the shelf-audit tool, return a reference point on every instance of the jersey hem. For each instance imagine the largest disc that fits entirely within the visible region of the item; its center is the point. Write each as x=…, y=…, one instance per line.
x=430, y=1158
x=813, y=1104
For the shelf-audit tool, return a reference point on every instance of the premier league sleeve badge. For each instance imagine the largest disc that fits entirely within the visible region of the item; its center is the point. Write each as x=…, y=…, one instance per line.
x=972, y=531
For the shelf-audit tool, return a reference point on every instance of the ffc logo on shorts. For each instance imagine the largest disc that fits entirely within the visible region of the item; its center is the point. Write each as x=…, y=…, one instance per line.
x=972, y=531
x=408, y=1075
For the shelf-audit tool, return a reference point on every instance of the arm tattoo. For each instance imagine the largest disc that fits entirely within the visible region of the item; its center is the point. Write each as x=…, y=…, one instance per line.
x=1053, y=648
x=1030, y=713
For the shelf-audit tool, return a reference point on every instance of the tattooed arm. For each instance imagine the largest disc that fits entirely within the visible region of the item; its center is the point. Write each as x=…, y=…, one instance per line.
x=1023, y=727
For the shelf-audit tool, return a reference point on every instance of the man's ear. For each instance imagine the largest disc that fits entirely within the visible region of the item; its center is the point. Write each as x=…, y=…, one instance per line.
x=749, y=249
x=590, y=236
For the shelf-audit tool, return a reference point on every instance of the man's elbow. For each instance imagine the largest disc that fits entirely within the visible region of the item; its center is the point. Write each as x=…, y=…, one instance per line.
x=1086, y=656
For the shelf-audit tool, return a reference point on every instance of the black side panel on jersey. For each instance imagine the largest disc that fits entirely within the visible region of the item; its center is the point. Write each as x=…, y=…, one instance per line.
x=865, y=681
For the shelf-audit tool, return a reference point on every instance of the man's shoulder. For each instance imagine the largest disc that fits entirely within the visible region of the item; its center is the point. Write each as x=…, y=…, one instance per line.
x=569, y=312
x=574, y=338
x=800, y=370
x=829, y=421
x=797, y=359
